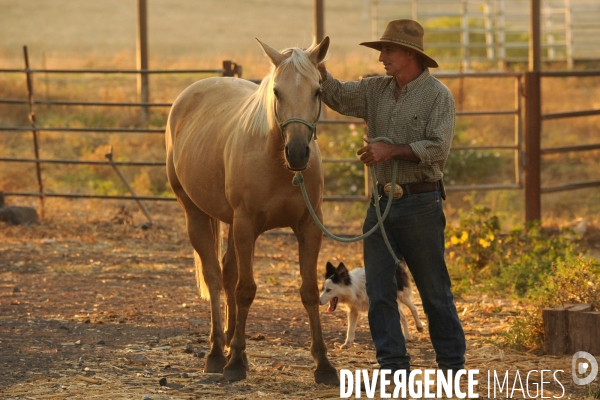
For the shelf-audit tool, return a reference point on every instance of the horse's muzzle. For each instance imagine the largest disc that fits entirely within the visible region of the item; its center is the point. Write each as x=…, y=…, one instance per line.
x=297, y=157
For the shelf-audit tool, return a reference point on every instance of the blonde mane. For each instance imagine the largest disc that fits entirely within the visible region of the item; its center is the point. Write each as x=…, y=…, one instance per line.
x=257, y=115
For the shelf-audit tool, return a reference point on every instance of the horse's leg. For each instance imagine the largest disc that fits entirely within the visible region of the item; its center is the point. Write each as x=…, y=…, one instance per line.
x=230, y=278
x=203, y=233
x=309, y=243
x=244, y=237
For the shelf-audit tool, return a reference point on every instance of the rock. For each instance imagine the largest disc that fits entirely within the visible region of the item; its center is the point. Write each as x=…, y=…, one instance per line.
x=258, y=336
x=17, y=215
x=580, y=226
x=162, y=382
x=146, y=226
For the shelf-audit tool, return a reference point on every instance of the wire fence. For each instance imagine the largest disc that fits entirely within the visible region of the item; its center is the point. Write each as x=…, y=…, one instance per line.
x=231, y=69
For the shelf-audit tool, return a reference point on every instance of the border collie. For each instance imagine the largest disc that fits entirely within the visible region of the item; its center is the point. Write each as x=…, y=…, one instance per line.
x=349, y=289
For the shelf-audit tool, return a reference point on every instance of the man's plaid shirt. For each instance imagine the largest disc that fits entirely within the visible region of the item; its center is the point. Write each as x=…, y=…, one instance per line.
x=422, y=117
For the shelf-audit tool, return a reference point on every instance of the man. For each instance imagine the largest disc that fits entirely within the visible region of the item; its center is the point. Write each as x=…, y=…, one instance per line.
x=415, y=111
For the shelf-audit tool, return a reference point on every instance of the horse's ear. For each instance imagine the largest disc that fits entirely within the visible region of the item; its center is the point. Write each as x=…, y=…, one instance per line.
x=275, y=56
x=319, y=53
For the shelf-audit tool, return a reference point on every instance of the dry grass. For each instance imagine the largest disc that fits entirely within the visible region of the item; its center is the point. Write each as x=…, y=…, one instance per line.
x=83, y=278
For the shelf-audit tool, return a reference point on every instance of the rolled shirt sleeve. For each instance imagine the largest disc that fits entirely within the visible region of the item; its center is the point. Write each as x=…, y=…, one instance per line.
x=439, y=132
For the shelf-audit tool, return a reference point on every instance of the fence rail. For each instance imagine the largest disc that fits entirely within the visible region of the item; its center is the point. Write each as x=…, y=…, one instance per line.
x=232, y=69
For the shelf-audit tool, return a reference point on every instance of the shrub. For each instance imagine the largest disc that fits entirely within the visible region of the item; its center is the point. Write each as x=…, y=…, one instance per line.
x=576, y=281
x=516, y=262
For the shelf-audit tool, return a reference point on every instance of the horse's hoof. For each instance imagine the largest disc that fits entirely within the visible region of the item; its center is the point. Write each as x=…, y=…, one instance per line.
x=327, y=377
x=214, y=364
x=245, y=359
x=234, y=374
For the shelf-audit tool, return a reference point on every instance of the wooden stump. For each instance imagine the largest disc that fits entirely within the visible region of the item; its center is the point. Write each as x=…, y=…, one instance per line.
x=570, y=329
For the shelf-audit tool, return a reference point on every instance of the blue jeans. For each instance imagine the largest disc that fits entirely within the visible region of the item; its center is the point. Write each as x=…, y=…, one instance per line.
x=415, y=229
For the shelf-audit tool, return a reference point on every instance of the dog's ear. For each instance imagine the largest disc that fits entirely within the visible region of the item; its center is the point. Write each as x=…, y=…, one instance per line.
x=329, y=270
x=343, y=274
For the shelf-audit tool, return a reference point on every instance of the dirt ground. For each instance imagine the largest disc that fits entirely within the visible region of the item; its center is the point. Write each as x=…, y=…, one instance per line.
x=93, y=306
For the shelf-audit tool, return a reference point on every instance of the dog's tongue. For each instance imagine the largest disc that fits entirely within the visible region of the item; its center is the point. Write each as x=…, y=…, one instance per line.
x=332, y=305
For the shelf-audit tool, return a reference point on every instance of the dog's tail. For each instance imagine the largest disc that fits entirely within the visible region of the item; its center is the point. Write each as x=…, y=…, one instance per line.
x=402, y=278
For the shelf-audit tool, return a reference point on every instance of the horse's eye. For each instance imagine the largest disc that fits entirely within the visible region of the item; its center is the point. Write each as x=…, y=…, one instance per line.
x=318, y=92
x=276, y=93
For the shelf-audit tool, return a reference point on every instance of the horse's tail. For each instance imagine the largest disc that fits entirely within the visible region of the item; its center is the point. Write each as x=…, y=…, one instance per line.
x=202, y=287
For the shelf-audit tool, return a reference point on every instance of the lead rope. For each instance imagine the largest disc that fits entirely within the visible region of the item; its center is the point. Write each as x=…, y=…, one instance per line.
x=299, y=181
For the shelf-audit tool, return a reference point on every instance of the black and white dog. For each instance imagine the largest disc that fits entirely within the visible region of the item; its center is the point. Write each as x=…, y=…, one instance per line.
x=350, y=290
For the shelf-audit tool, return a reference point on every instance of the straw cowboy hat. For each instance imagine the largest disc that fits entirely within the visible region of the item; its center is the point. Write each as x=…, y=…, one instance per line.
x=406, y=33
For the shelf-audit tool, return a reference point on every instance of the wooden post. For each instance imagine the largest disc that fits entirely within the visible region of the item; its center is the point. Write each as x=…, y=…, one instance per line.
x=36, y=146
x=319, y=20
x=227, y=68
x=533, y=120
x=570, y=329
x=556, y=330
x=533, y=127
x=320, y=34
x=578, y=338
x=142, y=58
x=583, y=332
x=535, y=37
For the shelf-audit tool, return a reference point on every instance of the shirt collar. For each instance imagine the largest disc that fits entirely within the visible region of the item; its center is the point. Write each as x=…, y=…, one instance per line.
x=412, y=84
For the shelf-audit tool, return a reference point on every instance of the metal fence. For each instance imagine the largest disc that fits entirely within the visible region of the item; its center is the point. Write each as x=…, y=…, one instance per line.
x=497, y=31
x=522, y=176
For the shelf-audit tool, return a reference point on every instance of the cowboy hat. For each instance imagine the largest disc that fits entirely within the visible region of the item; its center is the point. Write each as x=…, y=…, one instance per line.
x=406, y=33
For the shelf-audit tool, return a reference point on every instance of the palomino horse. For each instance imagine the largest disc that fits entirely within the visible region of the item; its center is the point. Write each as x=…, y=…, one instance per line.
x=231, y=150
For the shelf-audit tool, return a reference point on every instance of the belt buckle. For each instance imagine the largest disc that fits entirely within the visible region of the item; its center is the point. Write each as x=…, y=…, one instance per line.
x=398, y=192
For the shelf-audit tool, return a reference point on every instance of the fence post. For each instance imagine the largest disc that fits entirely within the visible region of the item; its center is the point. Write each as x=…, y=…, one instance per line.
x=36, y=146
x=142, y=58
x=464, y=41
x=227, y=68
x=319, y=20
x=533, y=125
x=569, y=34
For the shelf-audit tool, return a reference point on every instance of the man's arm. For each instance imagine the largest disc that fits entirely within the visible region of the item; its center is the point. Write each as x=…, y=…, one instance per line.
x=347, y=98
x=438, y=132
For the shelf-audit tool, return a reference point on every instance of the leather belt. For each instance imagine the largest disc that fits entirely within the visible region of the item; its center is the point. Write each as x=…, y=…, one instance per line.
x=408, y=188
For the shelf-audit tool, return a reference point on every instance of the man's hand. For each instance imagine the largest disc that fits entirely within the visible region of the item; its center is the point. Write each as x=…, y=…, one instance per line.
x=377, y=152
x=322, y=71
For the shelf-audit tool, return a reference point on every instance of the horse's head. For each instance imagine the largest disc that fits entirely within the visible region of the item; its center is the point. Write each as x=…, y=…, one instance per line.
x=296, y=101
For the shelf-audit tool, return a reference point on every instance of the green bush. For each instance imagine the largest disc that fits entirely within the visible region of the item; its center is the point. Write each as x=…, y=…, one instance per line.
x=574, y=281
x=515, y=262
